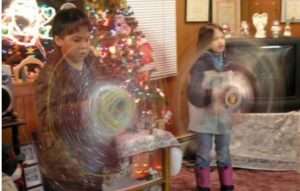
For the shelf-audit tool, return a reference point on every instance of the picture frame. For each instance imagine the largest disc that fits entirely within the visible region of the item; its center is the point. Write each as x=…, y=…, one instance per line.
x=33, y=176
x=198, y=10
x=289, y=11
x=30, y=154
x=227, y=12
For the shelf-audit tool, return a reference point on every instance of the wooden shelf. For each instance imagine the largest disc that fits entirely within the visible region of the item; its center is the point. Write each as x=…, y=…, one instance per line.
x=130, y=184
x=140, y=185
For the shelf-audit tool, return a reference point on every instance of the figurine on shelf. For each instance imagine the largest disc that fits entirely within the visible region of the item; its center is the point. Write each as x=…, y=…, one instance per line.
x=28, y=69
x=244, y=29
x=260, y=21
x=287, y=30
x=276, y=29
x=226, y=30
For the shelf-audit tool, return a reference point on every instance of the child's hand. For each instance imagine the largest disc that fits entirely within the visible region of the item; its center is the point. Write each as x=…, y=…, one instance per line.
x=218, y=100
x=211, y=79
x=219, y=86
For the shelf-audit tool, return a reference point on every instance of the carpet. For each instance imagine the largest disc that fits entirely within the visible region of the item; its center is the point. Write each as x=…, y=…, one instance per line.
x=245, y=180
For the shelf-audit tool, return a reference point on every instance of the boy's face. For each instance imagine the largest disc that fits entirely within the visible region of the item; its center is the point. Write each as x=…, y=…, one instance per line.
x=76, y=46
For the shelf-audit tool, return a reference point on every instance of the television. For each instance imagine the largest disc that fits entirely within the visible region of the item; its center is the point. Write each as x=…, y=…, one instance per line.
x=275, y=66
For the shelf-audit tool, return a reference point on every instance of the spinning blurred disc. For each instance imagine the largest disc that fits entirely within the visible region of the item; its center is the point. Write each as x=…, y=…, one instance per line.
x=112, y=109
x=238, y=92
x=233, y=98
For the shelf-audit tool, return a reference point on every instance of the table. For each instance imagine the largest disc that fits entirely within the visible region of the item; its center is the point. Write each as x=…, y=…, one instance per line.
x=133, y=143
x=269, y=141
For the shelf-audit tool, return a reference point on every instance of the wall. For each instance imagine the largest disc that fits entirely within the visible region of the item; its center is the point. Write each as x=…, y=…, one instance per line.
x=186, y=54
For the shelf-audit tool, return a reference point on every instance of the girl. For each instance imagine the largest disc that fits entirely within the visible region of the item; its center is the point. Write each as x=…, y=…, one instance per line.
x=208, y=118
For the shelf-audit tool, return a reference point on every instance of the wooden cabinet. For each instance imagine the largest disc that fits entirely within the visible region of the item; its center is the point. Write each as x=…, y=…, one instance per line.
x=25, y=109
x=25, y=104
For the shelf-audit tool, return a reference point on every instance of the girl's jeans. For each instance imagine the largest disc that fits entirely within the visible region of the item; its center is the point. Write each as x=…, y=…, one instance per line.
x=205, y=143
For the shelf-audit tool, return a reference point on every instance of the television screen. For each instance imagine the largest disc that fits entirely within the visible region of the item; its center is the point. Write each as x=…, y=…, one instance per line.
x=274, y=63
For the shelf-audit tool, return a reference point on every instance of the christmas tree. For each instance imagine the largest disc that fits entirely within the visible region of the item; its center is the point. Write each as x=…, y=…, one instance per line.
x=125, y=53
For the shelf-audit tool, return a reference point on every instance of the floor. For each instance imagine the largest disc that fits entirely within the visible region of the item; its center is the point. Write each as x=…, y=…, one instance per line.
x=245, y=180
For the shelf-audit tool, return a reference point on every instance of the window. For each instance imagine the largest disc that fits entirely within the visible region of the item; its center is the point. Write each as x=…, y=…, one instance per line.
x=157, y=20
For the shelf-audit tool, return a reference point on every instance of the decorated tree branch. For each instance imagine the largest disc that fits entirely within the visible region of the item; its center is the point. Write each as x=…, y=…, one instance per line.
x=125, y=54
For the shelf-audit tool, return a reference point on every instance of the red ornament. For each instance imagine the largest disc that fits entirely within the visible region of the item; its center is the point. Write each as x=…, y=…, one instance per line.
x=146, y=50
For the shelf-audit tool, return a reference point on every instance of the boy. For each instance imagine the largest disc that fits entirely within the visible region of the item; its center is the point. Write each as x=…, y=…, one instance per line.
x=71, y=156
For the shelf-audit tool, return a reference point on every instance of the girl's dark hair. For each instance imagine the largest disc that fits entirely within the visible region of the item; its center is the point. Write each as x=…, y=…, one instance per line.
x=68, y=21
x=206, y=34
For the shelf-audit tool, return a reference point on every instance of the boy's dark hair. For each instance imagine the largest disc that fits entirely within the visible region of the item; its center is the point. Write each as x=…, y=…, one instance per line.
x=68, y=21
x=206, y=34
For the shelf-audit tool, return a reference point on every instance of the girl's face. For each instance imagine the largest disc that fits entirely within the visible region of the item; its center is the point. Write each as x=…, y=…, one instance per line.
x=218, y=43
x=76, y=46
